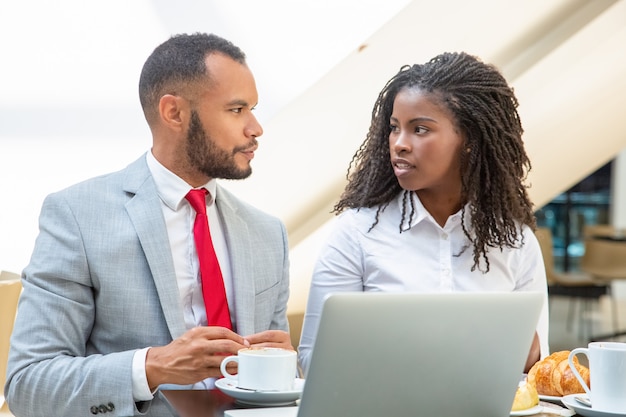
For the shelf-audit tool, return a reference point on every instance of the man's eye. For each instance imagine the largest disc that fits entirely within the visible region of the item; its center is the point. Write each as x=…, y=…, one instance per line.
x=236, y=110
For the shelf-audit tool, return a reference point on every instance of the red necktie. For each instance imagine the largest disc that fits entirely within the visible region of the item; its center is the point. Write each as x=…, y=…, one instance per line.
x=213, y=291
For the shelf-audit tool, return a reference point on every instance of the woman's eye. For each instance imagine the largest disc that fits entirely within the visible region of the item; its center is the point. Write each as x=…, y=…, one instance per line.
x=393, y=128
x=420, y=130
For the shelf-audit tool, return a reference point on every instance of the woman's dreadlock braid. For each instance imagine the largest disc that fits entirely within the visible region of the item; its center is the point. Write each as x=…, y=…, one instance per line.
x=371, y=180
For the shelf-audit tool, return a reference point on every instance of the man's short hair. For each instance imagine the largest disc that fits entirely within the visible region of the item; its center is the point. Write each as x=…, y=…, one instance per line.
x=176, y=63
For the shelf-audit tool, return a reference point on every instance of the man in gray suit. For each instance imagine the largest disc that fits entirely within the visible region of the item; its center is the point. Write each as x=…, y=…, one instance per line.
x=112, y=306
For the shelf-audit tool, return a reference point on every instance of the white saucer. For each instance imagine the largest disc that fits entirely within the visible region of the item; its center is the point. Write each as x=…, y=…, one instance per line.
x=256, y=398
x=571, y=403
x=528, y=412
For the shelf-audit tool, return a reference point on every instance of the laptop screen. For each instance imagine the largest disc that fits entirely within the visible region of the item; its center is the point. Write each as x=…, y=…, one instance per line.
x=380, y=354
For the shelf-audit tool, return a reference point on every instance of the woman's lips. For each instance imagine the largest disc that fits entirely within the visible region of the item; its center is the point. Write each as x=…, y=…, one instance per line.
x=402, y=167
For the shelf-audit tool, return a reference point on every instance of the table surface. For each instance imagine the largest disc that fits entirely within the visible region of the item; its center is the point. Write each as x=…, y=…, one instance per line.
x=213, y=403
x=199, y=403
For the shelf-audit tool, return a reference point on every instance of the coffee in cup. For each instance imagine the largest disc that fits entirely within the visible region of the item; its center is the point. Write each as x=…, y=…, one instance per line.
x=263, y=369
x=607, y=375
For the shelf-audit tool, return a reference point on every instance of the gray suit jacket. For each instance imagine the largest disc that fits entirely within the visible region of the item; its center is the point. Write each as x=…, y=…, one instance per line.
x=101, y=284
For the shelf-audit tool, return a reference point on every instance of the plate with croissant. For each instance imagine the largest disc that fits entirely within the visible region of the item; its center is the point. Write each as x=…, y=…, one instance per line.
x=549, y=380
x=553, y=378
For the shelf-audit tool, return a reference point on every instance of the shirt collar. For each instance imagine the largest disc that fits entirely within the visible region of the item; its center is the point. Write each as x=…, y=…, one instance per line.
x=171, y=188
x=421, y=214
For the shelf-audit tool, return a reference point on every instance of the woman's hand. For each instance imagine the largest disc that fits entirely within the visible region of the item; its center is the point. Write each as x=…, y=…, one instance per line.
x=534, y=354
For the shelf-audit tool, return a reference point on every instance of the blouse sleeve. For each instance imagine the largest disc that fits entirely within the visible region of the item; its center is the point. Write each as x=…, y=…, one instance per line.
x=532, y=277
x=339, y=268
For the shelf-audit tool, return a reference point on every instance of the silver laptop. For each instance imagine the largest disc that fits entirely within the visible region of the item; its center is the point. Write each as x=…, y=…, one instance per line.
x=406, y=354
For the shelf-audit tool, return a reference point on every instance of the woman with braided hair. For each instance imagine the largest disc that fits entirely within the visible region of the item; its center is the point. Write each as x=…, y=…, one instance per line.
x=435, y=200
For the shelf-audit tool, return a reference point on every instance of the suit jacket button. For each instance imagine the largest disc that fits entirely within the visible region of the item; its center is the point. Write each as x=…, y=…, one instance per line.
x=110, y=407
x=102, y=408
x=94, y=409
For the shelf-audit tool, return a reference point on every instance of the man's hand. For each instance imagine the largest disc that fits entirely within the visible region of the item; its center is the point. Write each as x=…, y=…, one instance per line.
x=193, y=357
x=271, y=338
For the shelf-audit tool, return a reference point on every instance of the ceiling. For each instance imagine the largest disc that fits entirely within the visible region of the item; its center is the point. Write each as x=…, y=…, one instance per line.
x=69, y=107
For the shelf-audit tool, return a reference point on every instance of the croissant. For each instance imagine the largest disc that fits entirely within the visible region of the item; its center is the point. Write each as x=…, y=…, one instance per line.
x=553, y=376
x=525, y=397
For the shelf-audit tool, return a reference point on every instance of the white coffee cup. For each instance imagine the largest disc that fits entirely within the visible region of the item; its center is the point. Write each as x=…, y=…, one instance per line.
x=607, y=375
x=263, y=369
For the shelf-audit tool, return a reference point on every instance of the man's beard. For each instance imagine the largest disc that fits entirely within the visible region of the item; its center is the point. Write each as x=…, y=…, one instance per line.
x=205, y=156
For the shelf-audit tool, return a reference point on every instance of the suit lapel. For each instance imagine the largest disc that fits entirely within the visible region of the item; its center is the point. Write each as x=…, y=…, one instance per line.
x=145, y=211
x=237, y=239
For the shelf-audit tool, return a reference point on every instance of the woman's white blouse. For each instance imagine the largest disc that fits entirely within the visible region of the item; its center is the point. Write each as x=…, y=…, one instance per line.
x=425, y=257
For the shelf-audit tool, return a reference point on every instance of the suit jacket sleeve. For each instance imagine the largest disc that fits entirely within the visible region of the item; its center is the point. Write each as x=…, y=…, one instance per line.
x=91, y=298
x=51, y=369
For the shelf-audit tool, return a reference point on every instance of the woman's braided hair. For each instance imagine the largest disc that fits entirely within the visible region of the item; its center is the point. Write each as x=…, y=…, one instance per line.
x=494, y=162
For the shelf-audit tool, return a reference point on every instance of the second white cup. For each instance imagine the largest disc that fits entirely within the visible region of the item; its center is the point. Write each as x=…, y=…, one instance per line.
x=607, y=375
x=263, y=369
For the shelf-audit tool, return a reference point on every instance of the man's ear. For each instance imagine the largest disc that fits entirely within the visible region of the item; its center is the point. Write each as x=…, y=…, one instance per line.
x=174, y=112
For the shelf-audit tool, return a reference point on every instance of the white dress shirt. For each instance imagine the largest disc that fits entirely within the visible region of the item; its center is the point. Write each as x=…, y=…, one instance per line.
x=179, y=218
x=425, y=257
